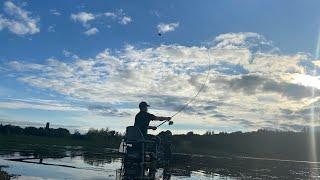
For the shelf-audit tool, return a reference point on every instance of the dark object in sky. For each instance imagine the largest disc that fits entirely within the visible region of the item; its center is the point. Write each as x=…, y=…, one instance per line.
x=159, y=34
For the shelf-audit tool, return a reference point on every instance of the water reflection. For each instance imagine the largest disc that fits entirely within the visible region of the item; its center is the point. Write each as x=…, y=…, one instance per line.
x=77, y=164
x=149, y=173
x=204, y=167
x=100, y=159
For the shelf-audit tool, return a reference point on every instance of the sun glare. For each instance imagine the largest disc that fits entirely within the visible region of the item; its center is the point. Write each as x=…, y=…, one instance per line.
x=307, y=80
x=313, y=140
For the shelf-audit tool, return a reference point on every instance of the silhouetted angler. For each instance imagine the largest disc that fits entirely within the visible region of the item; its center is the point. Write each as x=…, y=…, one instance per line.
x=143, y=118
x=143, y=152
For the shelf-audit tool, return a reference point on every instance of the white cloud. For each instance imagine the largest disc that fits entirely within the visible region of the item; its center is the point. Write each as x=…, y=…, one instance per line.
x=120, y=16
x=236, y=40
x=70, y=54
x=51, y=28
x=110, y=14
x=18, y=21
x=87, y=19
x=164, y=28
x=18, y=66
x=55, y=12
x=91, y=31
x=156, y=13
x=125, y=20
x=247, y=87
x=38, y=104
x=83, y=17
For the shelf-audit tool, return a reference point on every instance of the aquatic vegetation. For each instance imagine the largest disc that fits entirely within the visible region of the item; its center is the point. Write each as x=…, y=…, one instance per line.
x=4, y=175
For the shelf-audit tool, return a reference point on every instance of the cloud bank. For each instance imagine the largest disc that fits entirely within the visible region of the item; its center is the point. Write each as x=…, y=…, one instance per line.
x=251, y=84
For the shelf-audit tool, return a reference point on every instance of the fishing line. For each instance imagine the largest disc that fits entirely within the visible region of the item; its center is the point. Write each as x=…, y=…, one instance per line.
x=196, y=95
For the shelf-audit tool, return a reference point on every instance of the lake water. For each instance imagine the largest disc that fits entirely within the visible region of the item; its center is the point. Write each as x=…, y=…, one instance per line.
x=81, y=165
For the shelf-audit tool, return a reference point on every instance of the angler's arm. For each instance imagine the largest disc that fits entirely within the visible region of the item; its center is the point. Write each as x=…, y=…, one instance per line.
x=152, y=127
x=159, y=118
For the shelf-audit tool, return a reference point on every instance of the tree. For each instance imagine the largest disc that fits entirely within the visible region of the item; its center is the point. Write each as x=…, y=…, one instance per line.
x=190, y=133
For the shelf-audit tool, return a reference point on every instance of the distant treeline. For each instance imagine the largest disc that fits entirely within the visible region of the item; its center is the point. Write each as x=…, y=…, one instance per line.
x=261, y=143
x=100, y=137
x=33, y=131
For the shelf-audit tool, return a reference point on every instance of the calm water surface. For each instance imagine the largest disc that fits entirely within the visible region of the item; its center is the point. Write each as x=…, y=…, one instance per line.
x=81, y=165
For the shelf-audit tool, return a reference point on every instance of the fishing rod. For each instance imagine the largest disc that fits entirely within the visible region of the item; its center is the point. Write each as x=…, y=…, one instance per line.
x=194, y=97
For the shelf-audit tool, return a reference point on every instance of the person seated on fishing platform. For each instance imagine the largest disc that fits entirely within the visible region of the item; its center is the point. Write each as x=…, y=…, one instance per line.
x=142, y=121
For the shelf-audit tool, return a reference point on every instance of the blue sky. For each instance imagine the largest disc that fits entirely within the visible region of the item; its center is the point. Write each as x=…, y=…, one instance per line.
x=83, y=64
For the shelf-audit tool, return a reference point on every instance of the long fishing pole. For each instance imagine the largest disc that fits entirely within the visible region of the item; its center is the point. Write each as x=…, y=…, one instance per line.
x=196, y=95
